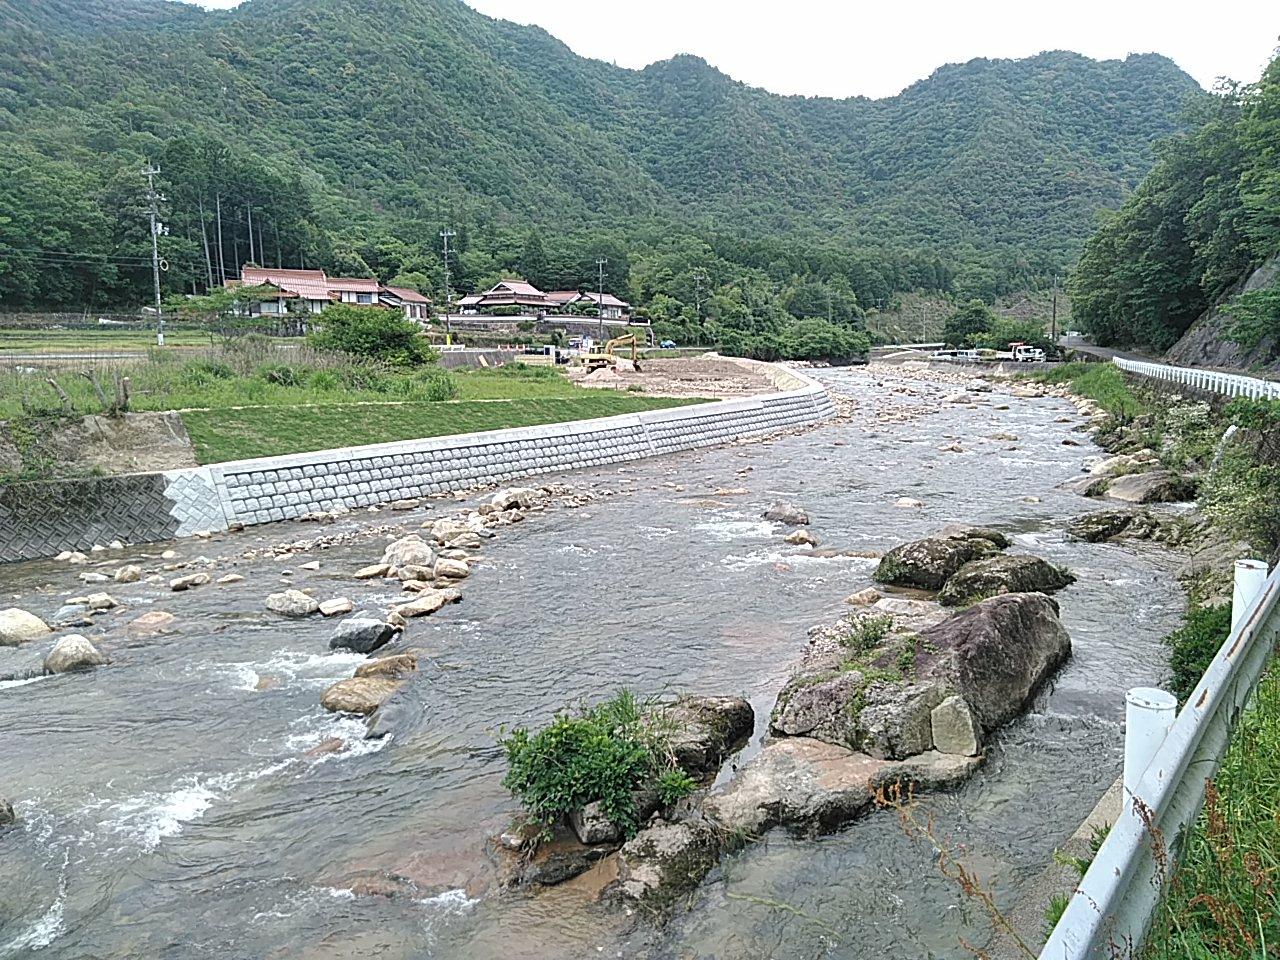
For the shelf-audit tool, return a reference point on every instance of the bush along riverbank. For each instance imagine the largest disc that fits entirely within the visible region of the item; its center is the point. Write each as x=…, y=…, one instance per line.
x=900, y=694
x=1224, y=455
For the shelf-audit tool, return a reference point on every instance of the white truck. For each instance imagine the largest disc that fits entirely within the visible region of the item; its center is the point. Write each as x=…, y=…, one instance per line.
x=1022, y=353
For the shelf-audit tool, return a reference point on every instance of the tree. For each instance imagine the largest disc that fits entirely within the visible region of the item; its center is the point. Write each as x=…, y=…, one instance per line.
x=372, y=333
x=966, y=325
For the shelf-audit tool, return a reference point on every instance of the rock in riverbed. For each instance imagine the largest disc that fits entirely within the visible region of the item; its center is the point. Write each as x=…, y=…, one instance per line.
x=130, y=573
x=362, y=634
x=359, y=695
x=665, y=861
x=17, y=627
x=292, y=603
x=707, y=729
x=188, y=582
x=7, y=814
x=1017, y=573
x=784, y=511
x=929, y=562
x=1158, y=486
x=391, y=668
x=408, y=551
x=996, y=654
x=73, y=652
x=428, y=602
x=1109, y=524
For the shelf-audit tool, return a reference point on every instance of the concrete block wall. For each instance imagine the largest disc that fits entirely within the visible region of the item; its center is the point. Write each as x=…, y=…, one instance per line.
x=181, y=502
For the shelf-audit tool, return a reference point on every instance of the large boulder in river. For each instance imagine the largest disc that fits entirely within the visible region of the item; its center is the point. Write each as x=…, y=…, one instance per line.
x=707, y=729
x=18, y=627
x=1100, y=526
x=991, y=576
x=410, y=551
x=292, y=603
x=73, y=652
x=665, y=861
x=996, y=654
x=784, y=511
x=929, y=562
x=810, y=786
x=359, y=695
x=362, y=634
x=1158, y=486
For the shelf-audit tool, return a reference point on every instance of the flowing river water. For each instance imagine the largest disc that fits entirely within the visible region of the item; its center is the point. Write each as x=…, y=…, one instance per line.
x=171, y=804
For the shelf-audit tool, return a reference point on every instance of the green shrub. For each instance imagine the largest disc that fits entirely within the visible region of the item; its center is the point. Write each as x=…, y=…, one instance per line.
x=324, y=380
x=439, y=386
x=1194, y=644
x=372, y=333
x=598, y=754
x=865, y=633
x=204, y=371
x=281, y=374
x=673, y=785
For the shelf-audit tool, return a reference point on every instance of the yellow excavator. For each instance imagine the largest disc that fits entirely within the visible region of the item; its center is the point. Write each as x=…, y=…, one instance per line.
x=608, y=358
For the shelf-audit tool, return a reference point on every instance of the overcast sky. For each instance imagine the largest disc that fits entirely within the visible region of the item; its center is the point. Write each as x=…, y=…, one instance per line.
x=843, y=48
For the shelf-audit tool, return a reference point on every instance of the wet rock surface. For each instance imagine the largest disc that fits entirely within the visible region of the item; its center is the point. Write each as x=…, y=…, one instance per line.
x=1008, y=573
x=19, y=626
x=73, y=652
x=1156, y=486
x=929, y=562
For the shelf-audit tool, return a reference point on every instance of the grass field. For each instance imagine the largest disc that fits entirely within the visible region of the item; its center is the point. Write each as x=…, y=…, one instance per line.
x=220, y=435
x=247, y=399
x=90, y=341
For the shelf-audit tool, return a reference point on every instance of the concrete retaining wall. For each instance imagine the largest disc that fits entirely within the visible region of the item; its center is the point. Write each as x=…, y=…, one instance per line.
x=40, y=520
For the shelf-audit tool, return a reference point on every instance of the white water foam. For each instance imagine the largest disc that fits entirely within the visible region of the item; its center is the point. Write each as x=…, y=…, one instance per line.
x=734, y=528
x=48, y=928
x=149, y=818
x=6, y=684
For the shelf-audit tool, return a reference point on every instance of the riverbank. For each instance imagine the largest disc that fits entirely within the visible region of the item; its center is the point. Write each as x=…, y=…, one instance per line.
x=667, y=580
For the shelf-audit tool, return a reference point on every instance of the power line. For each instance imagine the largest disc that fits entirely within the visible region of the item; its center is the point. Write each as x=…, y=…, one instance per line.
x=153, y=200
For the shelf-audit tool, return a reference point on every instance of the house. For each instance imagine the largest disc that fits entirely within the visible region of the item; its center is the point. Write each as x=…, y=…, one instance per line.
x=609, y=307
x=415, y=305
x=305, y=291
x=507, y=293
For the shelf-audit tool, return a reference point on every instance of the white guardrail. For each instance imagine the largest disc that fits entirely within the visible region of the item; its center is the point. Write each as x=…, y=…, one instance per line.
x=1110, y=911
x=1228, y=384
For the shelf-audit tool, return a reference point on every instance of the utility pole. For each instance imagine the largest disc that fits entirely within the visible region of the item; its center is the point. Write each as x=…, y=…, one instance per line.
x=600, y=263
x=445, y=234
x=698, y=278
x=153, y=199
x=1053, y=323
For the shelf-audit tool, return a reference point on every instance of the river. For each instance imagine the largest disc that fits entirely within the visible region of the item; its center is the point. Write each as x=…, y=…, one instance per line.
x=170, y=808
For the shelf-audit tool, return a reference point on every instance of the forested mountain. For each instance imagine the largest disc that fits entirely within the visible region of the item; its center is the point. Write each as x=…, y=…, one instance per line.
x=351, y=131
x=1194, y=234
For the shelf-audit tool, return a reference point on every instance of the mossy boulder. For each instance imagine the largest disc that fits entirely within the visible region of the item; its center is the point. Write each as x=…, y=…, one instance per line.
x=928, y=563
x=992, y=576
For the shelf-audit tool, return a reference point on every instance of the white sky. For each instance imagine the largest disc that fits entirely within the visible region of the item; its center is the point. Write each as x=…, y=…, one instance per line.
x=833, y=48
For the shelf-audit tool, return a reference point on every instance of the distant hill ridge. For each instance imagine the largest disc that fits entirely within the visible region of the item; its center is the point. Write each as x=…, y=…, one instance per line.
x=384, y=107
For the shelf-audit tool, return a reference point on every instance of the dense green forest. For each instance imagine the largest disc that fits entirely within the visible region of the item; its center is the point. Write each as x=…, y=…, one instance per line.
x=1208, y=213
x=345, y=134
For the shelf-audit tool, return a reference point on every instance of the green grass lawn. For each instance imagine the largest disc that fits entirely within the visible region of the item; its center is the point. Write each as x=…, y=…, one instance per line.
x=220, y=435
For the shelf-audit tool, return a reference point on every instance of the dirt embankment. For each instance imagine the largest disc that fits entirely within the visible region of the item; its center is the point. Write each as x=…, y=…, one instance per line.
x=706, y=376
x=134, y=443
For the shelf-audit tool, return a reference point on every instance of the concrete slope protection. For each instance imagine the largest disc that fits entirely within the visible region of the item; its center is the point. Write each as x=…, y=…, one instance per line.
x=42, y=519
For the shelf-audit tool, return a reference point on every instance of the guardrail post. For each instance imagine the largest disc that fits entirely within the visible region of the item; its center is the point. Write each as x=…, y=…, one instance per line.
x=1148, y=715
x=1251, y=575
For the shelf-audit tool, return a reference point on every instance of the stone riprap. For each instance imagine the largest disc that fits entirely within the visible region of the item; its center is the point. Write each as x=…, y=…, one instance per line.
x=41, y=519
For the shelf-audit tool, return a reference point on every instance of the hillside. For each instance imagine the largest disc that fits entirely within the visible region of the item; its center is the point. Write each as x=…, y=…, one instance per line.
x=1190, y=261
x=354, y=129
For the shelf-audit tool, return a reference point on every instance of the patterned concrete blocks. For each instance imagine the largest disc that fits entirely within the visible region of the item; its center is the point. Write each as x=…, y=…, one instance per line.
x=76, y=514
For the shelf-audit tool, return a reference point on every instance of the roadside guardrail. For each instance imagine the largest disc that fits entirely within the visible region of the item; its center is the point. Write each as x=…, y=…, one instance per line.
x=1110, y=911
x=1227, y=384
